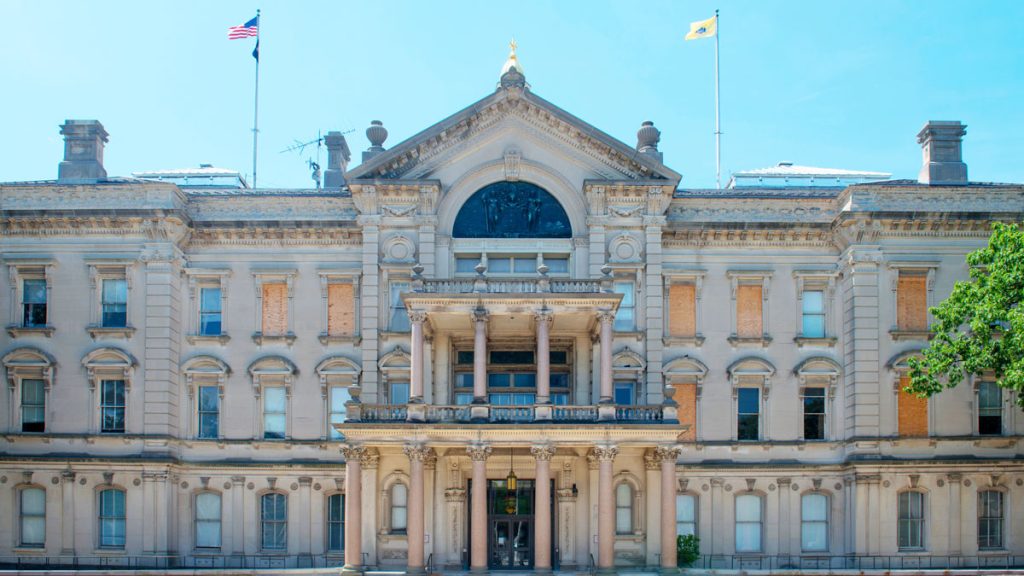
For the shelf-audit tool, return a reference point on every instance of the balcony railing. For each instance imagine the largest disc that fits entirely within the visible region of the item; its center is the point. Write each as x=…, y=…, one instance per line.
x=509, y=286
x=655, y=414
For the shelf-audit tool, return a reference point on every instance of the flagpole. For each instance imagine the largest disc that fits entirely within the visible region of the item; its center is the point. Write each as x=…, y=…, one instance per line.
x=256, y=102
x=718, y=113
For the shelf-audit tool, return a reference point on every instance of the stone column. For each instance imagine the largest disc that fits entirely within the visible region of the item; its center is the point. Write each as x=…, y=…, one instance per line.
x=417, y=454
x=480, y=356
x=237, y=515
x=955, y=480
x=544, y=319
x=782, y=541
x=305, y=528
x=605, y=508
x=478, y=453
x=606, y=318
x=668, y=456
x=353, y=508
x=67, y=517
x=416, y=362
x=542, y=508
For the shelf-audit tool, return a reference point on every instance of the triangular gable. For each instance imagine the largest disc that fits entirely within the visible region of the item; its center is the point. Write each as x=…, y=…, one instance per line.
x=419, y=155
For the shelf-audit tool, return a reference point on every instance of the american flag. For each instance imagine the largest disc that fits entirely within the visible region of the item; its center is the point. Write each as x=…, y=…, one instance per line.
x=247, y=30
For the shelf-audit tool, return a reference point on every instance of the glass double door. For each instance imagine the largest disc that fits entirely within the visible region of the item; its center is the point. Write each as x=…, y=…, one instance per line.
x=510, y=525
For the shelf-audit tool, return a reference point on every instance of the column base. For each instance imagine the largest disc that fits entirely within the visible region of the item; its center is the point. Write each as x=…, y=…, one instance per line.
x=418, y=571
x=543, y=572
x=543, y=412
x=670, y=570
x=352, y=570
x=605, y=412
x=479, y=571
x=606, y=571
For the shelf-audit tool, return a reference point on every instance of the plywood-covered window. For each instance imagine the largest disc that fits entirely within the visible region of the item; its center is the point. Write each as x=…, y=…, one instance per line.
x=912, y=421
x=749, y=311
x=912, y=302
x=275, y=309
x=682, y=311
x=341, y=311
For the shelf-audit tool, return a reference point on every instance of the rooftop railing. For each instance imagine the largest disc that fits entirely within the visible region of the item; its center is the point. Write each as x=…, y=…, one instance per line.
x=654, y=414
x=542, y=283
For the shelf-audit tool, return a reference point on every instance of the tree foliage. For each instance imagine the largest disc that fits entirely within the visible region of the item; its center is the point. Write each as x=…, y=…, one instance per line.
x=979, y=329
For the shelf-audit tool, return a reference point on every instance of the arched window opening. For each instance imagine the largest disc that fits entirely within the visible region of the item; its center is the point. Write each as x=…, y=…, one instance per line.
x=512, y=210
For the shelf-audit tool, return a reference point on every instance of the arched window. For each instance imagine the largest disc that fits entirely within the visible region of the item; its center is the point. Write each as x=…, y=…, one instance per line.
x=399, y=508
x=814, y=522
x=990, y=520
x=30, y=376
x=208, y=514
x=911, y=521
x=32, y=508
x=749, y=523
x=274, y=521
x=112, y=518
x=686, y=515
x=335, y=523
x=624, y=508
x=512, y=210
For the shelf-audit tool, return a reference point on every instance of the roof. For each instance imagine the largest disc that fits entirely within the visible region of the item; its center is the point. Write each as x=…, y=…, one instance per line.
x=790, y=170
x=202, y=170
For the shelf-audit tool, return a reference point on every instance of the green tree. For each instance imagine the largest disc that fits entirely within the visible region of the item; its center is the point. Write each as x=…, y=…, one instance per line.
x=980, y=327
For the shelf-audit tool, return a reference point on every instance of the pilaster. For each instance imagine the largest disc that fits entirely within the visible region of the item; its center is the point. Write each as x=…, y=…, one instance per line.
x=162, y=341
x=861, y=341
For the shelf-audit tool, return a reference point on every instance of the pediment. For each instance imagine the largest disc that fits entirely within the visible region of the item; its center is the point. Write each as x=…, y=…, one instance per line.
x=516, y=119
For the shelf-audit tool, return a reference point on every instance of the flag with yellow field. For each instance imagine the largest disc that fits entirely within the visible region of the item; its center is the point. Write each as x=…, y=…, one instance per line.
x=703, y=29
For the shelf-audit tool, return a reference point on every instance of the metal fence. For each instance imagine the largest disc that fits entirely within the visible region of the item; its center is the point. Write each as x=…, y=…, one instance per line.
x=856, y=562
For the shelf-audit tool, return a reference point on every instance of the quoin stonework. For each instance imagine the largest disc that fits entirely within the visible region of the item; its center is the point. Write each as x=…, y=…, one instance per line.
x=511, y=341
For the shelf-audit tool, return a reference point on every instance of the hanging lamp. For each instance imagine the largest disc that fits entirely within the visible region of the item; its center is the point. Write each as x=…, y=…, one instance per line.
x=511, y=482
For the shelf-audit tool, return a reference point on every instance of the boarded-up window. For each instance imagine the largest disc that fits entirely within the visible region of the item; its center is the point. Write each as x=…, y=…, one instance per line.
x=685, y=395
x=913, y=412
x=275, y=309
x=682, y=310
x=341, y=310
x=912, y=302
x=748, y=311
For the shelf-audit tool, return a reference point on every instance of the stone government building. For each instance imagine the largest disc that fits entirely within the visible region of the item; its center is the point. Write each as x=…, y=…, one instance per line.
x=203, y=374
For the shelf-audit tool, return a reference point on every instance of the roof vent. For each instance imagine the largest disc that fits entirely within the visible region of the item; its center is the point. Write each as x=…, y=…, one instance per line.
x=942, y=147
x=83, y=151
x=206, y=165
x=786, y=163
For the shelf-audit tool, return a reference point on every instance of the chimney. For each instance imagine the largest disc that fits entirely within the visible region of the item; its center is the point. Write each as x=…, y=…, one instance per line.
x=83, y=151
x=647, y=138
x=941, y=144
x=338, y=156
x=376, y=134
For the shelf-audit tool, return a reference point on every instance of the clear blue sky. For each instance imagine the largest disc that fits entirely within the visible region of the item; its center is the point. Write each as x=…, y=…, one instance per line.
x=835, y=84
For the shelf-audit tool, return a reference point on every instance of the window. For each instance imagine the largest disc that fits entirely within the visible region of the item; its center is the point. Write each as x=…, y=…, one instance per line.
x=210, y=311
x=274, y=521
x=990, y=520
x=398, y=319
x=749, y=311
x=112, y=406
x=520, y=264
x=34, y=303
x=398, y=392
x=341, y=309
x=813, y=315
x=339, y=395
x=33, y=405
x=625, y=318
x=112, y=518
x=686, y=515
x=335, y=523
x=208, y=511
x=814, y=413
x=749, y=524
x=912, y=302
x=114, y=303
x=911, y=521
x=466, y=264
x=624, y=509
x=209, y=411
x=275, y=309
x=512, y=377
x=32, y=506
x=748, y=418
x=990, y=409
x=814, y=522
x=399, y=508
x=912, y=412
x=625, y=393
x=275, y=404
x=682, y=310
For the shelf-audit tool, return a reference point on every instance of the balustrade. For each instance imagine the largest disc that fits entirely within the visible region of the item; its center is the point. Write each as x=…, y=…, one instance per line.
x=507, y=414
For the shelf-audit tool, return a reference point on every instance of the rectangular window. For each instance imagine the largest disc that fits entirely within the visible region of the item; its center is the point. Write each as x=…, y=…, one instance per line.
x=115, y=303
x=274, y=522
x=748, y=419
x=557, y=264
x=686, y=515
x=398, y=392
x=912, y=417
x=210, y=311
x=814, y=413
x=466, y=264
x=912, y=302
x=748, y=523
x=990, y=409
x=625, y=393
x=336, y=523
x=34, y=303
x=990, y=520
x=341, y=309
x=682, y=310
x=112, y=406
x=33, y=518
x=749, y=311
x=208, y=511
x=398, y=319
x=275, y=404
x=275, y=309
x=813, y=314
x=33, y=406
x=625, y=318
x=399, y=508
x=112, y=519
x=814, y=522
x=209, y=411
x=911, y=521
x=623, y=509
x=339, y=397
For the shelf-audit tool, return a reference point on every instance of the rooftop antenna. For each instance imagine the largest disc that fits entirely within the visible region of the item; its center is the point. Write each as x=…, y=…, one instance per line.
x=300, y=147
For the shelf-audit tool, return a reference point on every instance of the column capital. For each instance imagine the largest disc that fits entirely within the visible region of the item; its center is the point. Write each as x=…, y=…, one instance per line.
x=478, y=452
x=606, y=453
x=544, y=316
x=417, y=316
x=605, y=316
x=352, y=452
x=417, y=452
x=542, y=451
x=480, y=315
x=668, y=453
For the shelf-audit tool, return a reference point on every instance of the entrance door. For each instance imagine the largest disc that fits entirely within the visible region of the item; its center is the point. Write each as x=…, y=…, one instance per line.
x=510, y=525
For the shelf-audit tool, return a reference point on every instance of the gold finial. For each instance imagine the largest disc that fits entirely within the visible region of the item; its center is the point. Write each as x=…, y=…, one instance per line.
x=513, y=61
x=512, y=46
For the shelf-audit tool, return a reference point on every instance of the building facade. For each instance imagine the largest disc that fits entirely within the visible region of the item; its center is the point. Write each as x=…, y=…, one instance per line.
x=225, y=376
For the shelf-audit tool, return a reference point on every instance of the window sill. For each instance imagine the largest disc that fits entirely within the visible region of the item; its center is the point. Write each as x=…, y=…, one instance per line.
x=802, y=342
x=16, y=331
x=96, y=332
x=695, y=341
x=208, y=339
x=29, y=550
x=900, y=335
x=326, y=339
x=110, y=552
x=638, y=334
x=738, y=342
x=261, y=338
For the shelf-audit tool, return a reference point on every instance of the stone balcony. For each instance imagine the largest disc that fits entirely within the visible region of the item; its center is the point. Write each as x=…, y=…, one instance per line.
x=490, y=414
